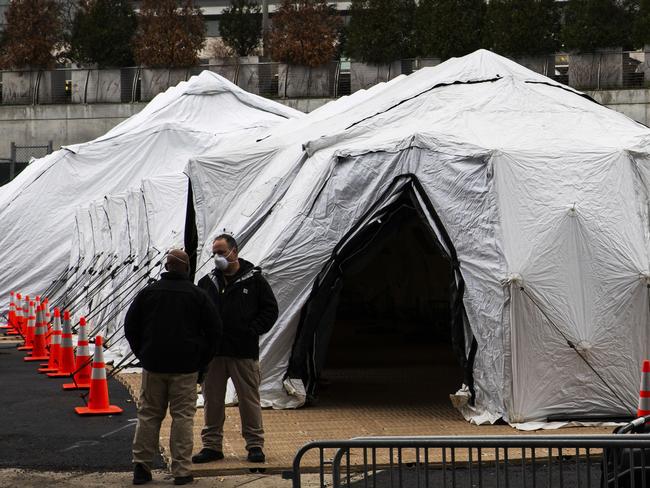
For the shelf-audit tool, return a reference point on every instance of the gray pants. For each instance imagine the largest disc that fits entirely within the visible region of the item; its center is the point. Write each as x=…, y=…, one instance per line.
x=245, y=374
x=159, y=390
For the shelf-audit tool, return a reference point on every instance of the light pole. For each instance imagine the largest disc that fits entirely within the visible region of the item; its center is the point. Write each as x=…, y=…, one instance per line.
x=265, y=26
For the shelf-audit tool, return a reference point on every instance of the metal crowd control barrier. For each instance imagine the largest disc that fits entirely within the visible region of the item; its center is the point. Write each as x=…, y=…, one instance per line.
x=556, y=461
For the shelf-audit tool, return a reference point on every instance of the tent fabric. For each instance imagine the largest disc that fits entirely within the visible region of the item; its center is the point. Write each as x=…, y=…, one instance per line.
x=165, y=201
x=263, y=169
x=542, y=192
x=37, y=209
x=138, y=225
x=161, y=202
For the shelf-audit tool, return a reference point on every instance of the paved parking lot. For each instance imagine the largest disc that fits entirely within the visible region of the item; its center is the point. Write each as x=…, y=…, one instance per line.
x=40, y=429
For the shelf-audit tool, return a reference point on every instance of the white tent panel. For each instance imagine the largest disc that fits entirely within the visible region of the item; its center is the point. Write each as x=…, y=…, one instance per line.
x=165, y=199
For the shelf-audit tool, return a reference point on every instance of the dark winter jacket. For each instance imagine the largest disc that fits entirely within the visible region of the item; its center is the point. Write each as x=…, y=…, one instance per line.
x=172, y=326
x=247, y=307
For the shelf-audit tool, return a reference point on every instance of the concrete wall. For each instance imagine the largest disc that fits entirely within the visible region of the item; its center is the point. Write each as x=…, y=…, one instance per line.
x=75, y=123
x=633, y=103
x=72, y=124
x=62, y=124
x=305, y=104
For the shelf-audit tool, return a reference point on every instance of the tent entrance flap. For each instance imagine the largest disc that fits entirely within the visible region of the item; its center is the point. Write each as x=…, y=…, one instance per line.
x=389, y=297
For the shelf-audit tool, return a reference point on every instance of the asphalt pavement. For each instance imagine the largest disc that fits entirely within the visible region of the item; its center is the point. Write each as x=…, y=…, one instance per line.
x=40, y=430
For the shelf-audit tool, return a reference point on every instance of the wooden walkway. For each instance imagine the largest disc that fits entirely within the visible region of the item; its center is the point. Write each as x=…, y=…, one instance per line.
x=355, y=403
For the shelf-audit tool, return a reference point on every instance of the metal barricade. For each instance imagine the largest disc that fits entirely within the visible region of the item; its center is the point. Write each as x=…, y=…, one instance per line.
x=556, y=461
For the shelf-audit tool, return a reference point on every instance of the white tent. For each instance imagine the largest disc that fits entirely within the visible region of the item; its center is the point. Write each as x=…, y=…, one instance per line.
x=537, y=195
x=37, y=210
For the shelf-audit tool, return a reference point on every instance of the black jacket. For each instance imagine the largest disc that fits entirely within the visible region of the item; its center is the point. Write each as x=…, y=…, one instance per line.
x=172, y=326
x=247, y=307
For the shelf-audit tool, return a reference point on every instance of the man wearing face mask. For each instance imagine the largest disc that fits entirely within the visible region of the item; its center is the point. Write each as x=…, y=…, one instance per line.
x=173, y=328
x=248, y=309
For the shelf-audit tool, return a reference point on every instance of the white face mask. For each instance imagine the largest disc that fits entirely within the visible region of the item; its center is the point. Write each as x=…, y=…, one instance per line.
x=222, y=261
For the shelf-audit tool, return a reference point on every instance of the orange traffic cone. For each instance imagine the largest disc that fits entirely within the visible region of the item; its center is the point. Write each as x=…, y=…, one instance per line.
x=81, y=377
x=19, y=311
x=31, y=326
x=21, y=314
x=48, y=332
x=98, y=402
x=12, y=314
x=644, y=393
x=19, y=306
x=48, y=322
x=17, y=316
x=39, y=352
x=26, y=301
x=12, y=323
x=66, y=359
x=55, y=345
x=28, y=333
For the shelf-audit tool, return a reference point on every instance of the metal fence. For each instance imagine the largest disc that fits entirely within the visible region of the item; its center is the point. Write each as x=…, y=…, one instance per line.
x=479, y=461
x=20, y=158
x=593, y=71
x=135, y=84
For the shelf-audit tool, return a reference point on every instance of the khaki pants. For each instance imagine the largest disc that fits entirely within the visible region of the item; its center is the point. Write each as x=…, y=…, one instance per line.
x=245, y=374
x=159, y=390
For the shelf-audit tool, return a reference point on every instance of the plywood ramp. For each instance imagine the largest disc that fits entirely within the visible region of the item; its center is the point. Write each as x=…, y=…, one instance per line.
x=342, y=414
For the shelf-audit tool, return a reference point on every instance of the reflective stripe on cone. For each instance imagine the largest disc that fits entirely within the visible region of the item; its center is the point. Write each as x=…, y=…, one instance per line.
x=55, y=345
x=66, y=358
x=11, y=318
x=82, y=362
x=29, y=329
x=18, y=321
x=98, y=402
x=644, y=391
x=39, y=353
x=19, y=316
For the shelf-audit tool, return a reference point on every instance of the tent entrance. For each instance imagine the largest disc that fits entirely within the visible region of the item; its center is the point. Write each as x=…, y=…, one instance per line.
x=382, y=323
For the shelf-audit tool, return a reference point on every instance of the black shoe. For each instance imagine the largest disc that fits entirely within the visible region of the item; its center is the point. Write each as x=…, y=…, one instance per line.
x=256, y=455
x=183, y=480
x=206, y=455
x=141, y=474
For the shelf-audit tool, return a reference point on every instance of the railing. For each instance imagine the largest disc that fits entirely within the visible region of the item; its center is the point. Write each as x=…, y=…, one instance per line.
x=595, y=71
x=473, y=461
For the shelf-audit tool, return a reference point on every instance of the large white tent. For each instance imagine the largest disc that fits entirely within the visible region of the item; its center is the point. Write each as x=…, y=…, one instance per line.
x=37, y=210
x=537, y=195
